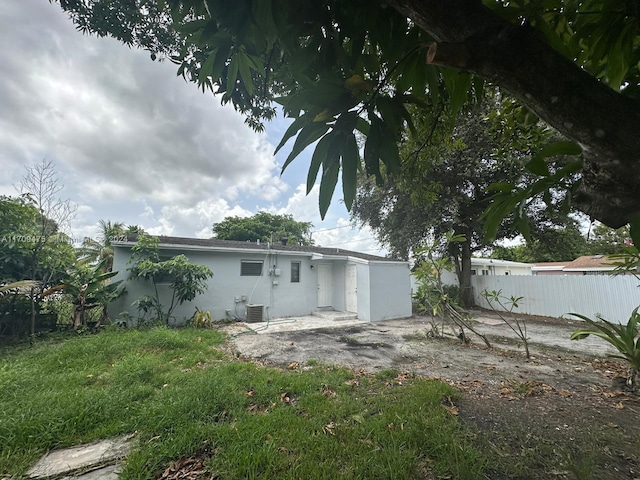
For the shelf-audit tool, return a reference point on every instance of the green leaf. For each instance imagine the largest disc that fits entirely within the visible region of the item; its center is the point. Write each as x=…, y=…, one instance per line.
x=346, y=122
x=433, y=81
x=206, y=69
x=538, y=166
x=362, y=126
x=326, y=92
x=245, y=72
x=330, y=171
x=295, y=126
x=389, y=153
x=208, y=34
x=232, y=77
x=458, y=85
x=559, y=148
x=501, y=207
x=318, y=158
x=372, y=150
x=222, y=55
x=263, y=16
x=309, y=134
x=580, y=335
x=350, y=164
x=192, y=27
x=501, y=187
x=522, y=225
x=389, y=112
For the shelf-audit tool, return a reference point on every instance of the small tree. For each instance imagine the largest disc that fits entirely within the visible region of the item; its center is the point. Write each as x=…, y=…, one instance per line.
x=89, y=288
x=186, y=279
x=508, y=305
x=41, y=186
x=31, y=248
x=96, y=250
x=432, y=295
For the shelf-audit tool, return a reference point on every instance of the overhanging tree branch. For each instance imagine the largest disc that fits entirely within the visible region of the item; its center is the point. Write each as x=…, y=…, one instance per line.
x=604, y=122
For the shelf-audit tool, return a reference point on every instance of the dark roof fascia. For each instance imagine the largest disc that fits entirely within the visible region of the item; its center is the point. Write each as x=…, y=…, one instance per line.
x=214, y=244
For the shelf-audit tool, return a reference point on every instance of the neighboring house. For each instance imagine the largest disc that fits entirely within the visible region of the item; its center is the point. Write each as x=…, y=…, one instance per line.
x=549, y=268
x=278, y=280
x=490, y=266
x=585, y=265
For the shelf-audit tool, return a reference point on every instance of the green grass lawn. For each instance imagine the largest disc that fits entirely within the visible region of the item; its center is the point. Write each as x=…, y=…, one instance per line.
x=184, y=397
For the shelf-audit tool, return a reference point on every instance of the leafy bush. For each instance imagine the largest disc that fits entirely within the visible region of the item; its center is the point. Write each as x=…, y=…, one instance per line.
x=625, y=338
x=200, y=319
x=186, y=279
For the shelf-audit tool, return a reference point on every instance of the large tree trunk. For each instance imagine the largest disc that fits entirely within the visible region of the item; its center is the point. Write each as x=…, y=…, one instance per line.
x=464, y=276
x=605, y=123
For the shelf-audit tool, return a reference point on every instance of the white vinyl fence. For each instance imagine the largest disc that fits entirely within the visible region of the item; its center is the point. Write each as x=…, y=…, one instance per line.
x=613, y=298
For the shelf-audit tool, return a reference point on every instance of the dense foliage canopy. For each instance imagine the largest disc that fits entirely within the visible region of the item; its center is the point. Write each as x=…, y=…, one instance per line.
x=264, y=227
x=345, y=69
x=31, y=248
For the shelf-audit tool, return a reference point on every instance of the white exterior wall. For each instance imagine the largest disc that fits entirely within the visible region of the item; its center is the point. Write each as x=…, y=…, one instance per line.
x=284, y=299
x=389, y=290
x=339, y=285
x=383, y=288
x=364, y=291
x=492, y=267
x=511, y=270
x=500, y=267
x=614, y=298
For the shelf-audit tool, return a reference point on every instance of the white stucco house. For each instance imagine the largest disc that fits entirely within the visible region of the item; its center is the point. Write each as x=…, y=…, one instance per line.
x=276, y=280
x=491, y=266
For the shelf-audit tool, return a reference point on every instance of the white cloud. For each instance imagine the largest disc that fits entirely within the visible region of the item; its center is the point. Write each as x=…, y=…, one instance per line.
x=336, y=230
x=123, y=124
x=133, y=142
x=196, y=220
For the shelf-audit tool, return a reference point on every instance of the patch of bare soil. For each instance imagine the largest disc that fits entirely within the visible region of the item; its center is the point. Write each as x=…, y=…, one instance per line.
x=560, y=414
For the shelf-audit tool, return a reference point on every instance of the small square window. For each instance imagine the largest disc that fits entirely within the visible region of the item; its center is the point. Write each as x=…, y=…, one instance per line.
x=250, y=268
x=295, y=272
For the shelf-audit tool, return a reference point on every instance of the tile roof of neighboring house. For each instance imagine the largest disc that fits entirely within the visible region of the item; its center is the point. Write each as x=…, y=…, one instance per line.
x=580, y=264
x=213, y=243
x=590, y=262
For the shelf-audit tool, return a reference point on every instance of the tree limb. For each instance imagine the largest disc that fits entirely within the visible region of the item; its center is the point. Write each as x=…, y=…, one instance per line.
x=604, y=122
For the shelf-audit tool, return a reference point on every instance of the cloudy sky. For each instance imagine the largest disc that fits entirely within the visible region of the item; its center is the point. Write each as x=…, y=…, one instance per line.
x=134, y=143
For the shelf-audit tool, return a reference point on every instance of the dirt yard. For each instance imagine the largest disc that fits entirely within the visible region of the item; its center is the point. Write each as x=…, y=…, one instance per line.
x=560, y=414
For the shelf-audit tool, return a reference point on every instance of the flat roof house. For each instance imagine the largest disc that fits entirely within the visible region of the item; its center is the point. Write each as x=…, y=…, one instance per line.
x=284, y=280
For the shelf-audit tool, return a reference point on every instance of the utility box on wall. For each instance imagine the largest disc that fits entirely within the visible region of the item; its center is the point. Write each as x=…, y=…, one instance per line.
x=255, y=313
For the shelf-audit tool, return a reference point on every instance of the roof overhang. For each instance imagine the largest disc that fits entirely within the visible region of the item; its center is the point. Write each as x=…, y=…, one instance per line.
x=589, y=269
x=214, y=248
x=550, y=268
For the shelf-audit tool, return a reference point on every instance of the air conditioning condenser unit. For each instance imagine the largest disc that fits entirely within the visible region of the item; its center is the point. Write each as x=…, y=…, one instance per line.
x=255, y=313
